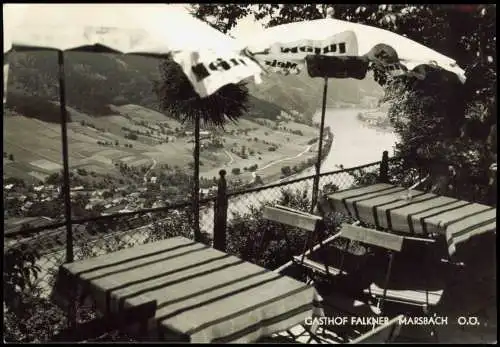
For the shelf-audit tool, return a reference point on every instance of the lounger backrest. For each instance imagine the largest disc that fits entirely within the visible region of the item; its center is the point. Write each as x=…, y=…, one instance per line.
x=291, y=217
x=372, y=237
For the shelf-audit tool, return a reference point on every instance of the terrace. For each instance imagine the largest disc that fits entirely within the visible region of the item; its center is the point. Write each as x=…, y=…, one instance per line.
x=233, y=223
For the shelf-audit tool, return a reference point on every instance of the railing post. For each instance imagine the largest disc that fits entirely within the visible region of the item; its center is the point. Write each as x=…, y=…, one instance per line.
x=220, y=213
x=66, y=187
x=315, y=192
x=384, y=168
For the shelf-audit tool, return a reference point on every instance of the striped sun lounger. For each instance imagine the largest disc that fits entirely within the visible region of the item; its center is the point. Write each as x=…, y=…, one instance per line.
x=203, y=295
x=385, y=206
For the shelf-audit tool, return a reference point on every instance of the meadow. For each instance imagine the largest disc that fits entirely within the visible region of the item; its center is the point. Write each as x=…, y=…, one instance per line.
x=99, y=144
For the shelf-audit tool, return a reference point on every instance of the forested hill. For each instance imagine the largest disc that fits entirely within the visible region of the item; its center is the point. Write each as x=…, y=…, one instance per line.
x=94, y=81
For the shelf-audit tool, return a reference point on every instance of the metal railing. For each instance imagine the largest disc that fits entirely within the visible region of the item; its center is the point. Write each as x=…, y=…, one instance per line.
x=107, y=233
x=221, y=219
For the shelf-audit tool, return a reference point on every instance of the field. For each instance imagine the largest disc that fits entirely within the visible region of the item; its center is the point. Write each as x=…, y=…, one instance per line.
x=98, y=143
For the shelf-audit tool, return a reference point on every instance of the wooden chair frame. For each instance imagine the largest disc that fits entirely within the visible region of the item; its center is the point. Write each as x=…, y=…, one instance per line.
x=313, y=224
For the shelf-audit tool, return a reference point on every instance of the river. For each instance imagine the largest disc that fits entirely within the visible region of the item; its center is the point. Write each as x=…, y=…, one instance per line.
x=354, y=144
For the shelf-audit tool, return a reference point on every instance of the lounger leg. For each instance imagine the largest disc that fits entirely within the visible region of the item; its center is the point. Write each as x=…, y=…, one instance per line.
x=386, y=281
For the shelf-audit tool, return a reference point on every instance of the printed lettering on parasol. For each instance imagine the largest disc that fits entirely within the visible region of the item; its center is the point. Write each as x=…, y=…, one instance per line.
x=289, y=57
x=276, y=63
x=208, y=71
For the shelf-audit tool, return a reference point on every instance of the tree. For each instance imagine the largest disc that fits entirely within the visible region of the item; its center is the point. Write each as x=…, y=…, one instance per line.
x=436, y=118
x=286, y=171
x=131, y=136
x=178, y=98
x=55, y=179
x=236, y=171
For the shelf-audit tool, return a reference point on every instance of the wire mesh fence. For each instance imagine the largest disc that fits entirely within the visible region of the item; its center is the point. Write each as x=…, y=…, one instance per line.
x=45, y=249
x=32, y=257
x=106, y=234
x=243, y=202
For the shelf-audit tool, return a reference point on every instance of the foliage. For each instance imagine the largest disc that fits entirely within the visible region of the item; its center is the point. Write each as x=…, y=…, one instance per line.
x=178, y=96
x=286, y=170
x=19, y=273
x=28, y=317
x=36, y=324
x=174, y=223
x=364, y=178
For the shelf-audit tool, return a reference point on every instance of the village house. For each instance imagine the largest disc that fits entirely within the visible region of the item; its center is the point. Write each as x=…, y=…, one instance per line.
x=27, y=205
x=109, y=209
x=158, y=204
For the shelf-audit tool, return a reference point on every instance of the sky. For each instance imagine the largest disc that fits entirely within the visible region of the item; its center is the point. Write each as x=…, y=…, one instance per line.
x=245, y=27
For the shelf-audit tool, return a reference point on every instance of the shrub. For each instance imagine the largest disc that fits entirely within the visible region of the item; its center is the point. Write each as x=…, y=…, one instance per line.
x=286, y=171
x=244, y=233
x=131, y=136
x=82, y=172
x=253, y=168
x=236, y=171
x=28, y=317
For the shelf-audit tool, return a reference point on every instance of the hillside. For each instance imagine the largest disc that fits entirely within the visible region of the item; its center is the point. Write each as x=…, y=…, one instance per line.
x=304, y=94
x=114, y=118
x=95, y=80
x=136, y=136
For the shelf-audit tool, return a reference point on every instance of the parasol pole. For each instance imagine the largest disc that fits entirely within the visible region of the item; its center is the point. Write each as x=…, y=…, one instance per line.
x=320, y=147
x=65, y=155
x=328, y=12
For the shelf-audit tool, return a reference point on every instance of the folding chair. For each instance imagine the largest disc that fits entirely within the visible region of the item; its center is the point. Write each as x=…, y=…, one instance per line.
x=333, y=304
x=312, y=224
x=407, y=288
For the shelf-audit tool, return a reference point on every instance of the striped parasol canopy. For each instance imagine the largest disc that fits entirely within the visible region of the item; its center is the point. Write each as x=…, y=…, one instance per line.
x=209, y=58
x=284, y=48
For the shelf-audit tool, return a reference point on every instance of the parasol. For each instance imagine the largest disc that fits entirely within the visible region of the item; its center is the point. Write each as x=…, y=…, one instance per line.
x=332, y=48
x=209, y=58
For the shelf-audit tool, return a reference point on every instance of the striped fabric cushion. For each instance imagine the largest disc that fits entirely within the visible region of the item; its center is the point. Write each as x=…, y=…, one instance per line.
x=386, y=206
x=203, y=295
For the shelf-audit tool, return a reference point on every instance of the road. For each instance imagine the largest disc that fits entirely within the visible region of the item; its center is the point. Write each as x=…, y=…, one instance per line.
x=231, y=159
x=151, y=168
x=254, y=174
